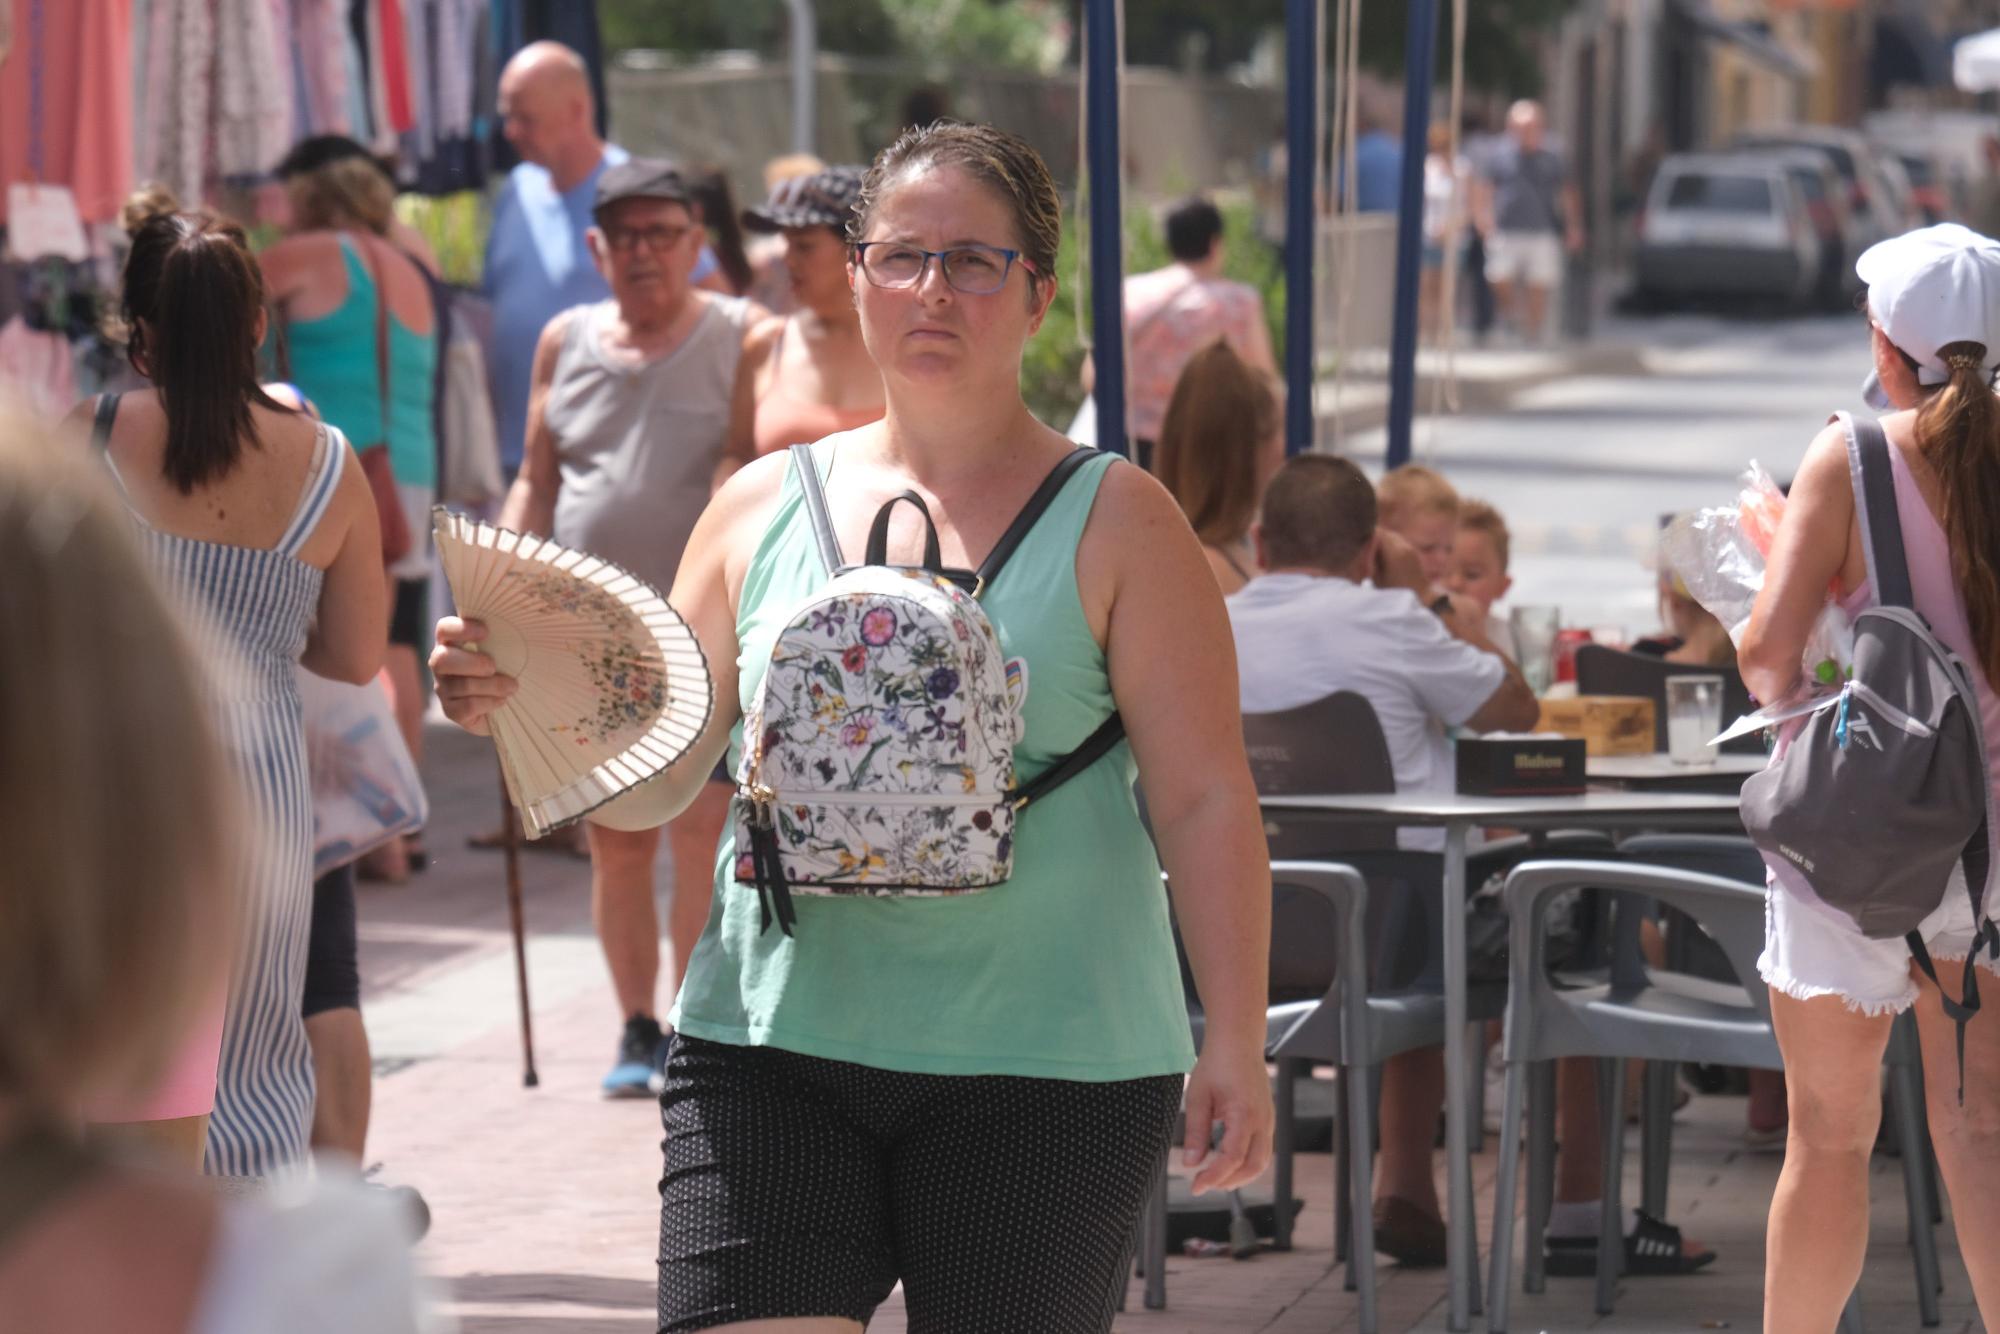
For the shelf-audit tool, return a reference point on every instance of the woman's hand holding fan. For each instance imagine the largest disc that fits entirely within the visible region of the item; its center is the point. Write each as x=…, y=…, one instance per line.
x=588, y=682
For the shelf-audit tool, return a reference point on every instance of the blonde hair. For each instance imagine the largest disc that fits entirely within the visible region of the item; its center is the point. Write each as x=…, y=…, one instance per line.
x=1405, y=492
x=1220, y=413
x=114, y=797
x=1479, y=517
x=781, y=169
x=346, y=192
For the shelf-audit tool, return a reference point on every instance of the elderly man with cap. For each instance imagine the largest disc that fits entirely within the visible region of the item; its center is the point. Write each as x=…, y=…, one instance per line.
x=628, y=411
x=537, y=263
x=806, y=375
x=1934, y=343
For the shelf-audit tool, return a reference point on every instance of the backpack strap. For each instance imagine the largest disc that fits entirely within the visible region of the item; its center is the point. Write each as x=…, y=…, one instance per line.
x=1094, y=748
x=816, y=512
x=1874, y=481
x=100, y=425
x=1024, y=522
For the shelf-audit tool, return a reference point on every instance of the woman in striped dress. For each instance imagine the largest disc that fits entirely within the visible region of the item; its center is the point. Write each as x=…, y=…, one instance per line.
x=262, y=520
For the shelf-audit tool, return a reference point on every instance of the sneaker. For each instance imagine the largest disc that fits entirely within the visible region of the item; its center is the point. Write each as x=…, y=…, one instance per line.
x=638, y=1049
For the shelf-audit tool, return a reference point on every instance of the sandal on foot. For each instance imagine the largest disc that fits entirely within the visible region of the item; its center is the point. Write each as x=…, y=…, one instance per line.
x=1653, y=1249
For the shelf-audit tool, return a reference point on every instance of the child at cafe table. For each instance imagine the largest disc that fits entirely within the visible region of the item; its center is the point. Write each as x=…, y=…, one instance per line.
x=1346, y=605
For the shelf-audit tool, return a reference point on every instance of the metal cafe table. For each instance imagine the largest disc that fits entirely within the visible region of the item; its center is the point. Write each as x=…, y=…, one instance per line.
x=1458, y=816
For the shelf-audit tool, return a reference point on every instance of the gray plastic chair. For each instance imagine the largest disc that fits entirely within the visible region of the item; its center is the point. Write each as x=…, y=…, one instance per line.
x=1636, y=1012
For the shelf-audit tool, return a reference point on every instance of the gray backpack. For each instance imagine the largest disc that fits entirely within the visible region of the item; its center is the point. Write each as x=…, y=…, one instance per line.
x=1885, y=789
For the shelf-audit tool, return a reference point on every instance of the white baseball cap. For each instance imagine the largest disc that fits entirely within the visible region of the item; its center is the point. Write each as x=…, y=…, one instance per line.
x=1930, y=288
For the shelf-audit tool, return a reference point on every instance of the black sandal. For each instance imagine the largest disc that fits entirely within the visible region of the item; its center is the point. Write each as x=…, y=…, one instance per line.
x=1654, y=1249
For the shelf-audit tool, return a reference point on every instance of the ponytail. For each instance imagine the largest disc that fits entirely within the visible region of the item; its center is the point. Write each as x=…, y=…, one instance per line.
x=717, y=205
x=1958, y=434
x=192, y=296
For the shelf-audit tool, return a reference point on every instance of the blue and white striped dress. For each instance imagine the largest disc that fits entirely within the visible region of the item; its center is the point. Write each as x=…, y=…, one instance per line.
x=252, y=608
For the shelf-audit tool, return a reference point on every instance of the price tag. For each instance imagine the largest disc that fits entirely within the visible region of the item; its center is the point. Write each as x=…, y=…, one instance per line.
x=42, y=221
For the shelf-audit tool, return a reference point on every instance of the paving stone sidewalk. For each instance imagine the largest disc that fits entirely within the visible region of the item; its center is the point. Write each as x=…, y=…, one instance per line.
x=545, y=1204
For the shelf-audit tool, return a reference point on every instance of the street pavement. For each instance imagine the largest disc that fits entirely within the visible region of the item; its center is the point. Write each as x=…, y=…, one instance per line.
x=544, y=1200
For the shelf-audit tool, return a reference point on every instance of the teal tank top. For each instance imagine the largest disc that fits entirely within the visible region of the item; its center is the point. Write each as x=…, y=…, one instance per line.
x=333, y=363
x=1066, y=971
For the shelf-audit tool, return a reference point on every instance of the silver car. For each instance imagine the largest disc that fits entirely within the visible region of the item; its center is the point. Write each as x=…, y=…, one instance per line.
x=1727, y=225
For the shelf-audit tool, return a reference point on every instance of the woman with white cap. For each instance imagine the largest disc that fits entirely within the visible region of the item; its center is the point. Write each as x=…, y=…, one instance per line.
x=1934, y=321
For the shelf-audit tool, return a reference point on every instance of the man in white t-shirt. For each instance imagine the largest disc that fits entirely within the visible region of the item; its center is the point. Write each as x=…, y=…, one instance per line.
x=1343, y=606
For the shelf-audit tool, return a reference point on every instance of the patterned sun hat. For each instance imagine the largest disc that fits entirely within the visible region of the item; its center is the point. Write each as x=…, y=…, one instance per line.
x=819, y=199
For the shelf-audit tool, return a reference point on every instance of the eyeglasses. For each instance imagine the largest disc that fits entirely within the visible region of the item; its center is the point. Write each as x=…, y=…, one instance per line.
x=654, y=239
x=976, y=270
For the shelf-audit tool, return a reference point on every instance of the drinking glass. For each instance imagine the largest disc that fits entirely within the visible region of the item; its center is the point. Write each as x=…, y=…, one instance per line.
x=1694, y=715
x=1535, y=641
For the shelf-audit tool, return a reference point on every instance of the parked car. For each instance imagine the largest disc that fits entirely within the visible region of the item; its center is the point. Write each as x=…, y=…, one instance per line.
x=1927, y=186
x=1871, y=198
x=1819, y=186
x=1728, y=225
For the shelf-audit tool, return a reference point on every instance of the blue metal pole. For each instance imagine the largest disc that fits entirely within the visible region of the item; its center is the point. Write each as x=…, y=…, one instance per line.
x=1418, y=58
x=1107, y=275
x=1303, y=58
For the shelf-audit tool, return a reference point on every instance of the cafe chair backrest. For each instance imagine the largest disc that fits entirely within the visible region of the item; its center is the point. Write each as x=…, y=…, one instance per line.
x=1612, y=671
x=1333, y=747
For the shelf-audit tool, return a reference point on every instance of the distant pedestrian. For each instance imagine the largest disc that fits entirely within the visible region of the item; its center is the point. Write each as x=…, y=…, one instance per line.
x=1530, y=216
x=1378, y=167
x=1447, y=204
x=627, y=421
x=1935, y=341
x=1174, y=312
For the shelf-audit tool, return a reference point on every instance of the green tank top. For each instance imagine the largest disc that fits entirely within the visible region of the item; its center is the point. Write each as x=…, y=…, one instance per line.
x=1066, y=971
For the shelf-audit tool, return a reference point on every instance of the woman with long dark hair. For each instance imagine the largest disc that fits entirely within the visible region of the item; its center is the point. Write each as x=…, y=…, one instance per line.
x=1935, y=336
x=261, y=519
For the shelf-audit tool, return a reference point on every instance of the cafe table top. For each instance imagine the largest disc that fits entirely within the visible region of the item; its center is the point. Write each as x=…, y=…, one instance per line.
x=1658, y=768
x=1616, y=810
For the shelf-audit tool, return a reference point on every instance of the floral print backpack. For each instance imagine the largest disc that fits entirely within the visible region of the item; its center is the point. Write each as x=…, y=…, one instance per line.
x=878, y=758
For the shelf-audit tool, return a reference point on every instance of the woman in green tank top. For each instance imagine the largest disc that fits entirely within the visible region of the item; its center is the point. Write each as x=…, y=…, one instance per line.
x=966, y=1093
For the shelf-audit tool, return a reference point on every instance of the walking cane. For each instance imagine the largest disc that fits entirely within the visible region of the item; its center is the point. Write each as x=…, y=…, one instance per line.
x=510, y=843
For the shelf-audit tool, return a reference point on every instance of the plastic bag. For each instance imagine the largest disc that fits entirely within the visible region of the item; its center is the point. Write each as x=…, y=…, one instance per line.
x=365, y=786
x=1719, y=556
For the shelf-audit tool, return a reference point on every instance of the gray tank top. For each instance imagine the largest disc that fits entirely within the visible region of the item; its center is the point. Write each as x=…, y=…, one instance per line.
x=638, y=444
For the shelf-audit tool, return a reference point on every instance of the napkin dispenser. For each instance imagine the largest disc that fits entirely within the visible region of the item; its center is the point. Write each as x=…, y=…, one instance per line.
x=1520, y=765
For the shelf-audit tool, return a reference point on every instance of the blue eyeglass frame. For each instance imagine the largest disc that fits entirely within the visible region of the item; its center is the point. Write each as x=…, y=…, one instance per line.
x=1013, y=257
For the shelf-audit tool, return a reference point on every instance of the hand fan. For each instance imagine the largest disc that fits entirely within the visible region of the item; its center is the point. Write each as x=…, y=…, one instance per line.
x=614, y=685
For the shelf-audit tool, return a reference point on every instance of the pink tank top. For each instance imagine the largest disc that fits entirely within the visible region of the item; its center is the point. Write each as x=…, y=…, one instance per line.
x=1928, y=554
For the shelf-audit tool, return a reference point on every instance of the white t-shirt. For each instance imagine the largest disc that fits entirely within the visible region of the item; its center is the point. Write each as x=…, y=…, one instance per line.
x=1301, y=638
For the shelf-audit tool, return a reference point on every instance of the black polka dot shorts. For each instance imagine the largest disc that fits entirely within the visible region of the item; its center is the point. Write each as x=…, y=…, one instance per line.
x=796, y=1186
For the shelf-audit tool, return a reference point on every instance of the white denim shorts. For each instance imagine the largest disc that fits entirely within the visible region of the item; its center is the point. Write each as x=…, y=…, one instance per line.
x=1813, y=950
x=1534, y=258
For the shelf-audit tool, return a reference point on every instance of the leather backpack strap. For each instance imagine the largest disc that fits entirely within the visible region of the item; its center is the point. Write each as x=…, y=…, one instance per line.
x=816, y=511
x=1874, y=481
x=1094, y=748
x=1024, y=522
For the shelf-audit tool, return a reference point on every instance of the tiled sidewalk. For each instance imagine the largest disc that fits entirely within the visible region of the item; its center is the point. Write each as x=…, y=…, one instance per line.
x=544, y=1199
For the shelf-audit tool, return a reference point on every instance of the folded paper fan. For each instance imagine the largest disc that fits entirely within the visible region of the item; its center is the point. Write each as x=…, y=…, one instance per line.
x=614, y=685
